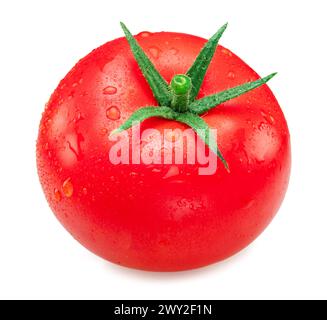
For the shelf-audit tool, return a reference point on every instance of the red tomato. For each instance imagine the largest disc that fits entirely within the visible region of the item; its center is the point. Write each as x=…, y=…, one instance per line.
x=161, y=217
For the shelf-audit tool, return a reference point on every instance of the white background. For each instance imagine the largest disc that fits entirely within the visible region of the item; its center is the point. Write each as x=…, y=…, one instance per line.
x=42, y=40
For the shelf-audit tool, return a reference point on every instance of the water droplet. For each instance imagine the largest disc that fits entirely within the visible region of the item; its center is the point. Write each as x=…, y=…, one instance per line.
x=133, y=174
x=110, y=90
x=231, y=75
x=57, y=195
x=226, y=52
x=154, y=51
x=156, y=170
x=145, y=34
x=260, y=161
x=75, y=85
x=84, y=191
x=78, y=117
x=113, y=113
x=74, y=144
x=106, y=64
x=172, y=172
x=68, y=188
x=173, y=51
x=269, y=118
x=104, y=131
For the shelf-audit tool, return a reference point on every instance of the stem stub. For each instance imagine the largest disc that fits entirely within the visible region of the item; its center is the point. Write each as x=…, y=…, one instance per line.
x=181, y=86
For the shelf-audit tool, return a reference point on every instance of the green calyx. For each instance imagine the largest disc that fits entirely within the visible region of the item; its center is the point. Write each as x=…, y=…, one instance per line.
x=177, y=100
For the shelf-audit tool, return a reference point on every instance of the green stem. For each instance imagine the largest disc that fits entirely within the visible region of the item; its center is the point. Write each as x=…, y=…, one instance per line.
x=180, y=86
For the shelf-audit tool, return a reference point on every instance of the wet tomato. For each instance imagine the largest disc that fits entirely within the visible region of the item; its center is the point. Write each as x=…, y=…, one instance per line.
x=161, y=217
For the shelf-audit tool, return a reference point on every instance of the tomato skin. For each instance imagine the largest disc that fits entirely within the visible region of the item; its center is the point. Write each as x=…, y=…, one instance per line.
x=137, y=215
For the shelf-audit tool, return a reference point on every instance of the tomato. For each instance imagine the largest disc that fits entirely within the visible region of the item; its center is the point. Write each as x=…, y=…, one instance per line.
x=161, y=217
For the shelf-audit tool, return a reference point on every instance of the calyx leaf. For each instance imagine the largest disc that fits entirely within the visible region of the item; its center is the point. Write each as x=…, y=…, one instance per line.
x=146, y=113
x=203, y=131
x=157, y=83
x=205, y=104
x=202, y=62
